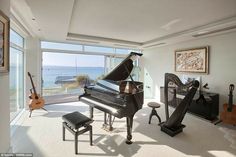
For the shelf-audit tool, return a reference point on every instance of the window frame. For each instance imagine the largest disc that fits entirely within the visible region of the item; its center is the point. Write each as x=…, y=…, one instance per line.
x=22, y=50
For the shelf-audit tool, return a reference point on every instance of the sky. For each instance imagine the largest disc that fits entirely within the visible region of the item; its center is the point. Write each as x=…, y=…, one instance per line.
x=79, y=60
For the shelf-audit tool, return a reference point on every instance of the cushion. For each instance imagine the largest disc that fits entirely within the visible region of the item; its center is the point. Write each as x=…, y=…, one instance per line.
x=76, y=119
x=154, y=104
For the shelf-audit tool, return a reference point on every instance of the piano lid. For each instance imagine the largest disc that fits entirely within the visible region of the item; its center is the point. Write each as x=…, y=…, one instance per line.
x=123, y=70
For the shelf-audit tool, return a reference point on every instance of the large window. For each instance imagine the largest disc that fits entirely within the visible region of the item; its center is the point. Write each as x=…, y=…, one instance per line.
x=67, y=68
x=60, y=46
x=65, y=73
x=88, y=49
x=16, y=74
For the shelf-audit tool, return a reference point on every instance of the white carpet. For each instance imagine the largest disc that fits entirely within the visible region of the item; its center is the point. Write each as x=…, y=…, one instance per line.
x=42, y=135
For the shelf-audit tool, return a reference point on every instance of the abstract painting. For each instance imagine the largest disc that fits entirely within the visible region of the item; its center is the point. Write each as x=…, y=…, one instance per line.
x=4, y=42
x=192, y=60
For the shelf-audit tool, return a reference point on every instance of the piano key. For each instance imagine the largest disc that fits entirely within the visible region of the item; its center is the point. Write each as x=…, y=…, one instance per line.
x=113, y=110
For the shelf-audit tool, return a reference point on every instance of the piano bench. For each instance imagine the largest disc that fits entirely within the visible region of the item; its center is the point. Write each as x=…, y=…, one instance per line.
x=154, y=105
x=74, y=122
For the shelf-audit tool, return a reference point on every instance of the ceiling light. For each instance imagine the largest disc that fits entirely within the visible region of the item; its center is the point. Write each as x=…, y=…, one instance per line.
x=83, y=41
x=203, y=33
x=158, y=44
x=126, y=46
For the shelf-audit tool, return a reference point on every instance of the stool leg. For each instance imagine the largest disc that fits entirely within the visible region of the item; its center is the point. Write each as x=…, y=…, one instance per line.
x=154, y=112
x=159, y=118
x=150, y=118
x=63, y=132
x=91, y=135
x=76, y=143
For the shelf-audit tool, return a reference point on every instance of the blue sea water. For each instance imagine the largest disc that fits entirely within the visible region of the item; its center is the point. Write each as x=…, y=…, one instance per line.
x=51, y=72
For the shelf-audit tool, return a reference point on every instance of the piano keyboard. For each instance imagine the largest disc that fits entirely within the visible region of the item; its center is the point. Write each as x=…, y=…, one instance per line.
x=113, y=110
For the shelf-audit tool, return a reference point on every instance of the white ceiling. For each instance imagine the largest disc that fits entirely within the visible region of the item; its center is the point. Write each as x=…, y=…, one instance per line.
x=127, y=23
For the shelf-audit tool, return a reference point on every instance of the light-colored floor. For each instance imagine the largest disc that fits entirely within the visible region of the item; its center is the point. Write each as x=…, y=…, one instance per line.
x=42, y=135
x=63, y=98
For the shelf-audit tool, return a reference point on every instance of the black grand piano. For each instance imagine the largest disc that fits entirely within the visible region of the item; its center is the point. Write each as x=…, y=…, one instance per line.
x=116, y=95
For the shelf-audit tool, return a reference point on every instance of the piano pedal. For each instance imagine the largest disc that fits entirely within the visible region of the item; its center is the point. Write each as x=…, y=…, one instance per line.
x=106, y=127
x=108, y=122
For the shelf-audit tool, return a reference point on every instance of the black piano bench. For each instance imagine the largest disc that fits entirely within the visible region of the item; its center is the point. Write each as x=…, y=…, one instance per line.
x=154, y=105
x=74, y=122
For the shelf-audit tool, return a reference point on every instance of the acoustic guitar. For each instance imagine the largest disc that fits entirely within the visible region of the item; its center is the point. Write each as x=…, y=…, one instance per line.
x=229, y=110
x=36, y=102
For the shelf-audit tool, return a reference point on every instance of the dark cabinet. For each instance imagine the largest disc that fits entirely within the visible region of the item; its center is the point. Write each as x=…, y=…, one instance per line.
x=207, y=108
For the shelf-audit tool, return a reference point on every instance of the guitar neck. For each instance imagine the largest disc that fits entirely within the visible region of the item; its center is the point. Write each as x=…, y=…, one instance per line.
x=34, y=90
x=230, y=102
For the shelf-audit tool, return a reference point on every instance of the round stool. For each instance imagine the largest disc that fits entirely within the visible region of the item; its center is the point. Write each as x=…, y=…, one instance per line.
x=154, y=105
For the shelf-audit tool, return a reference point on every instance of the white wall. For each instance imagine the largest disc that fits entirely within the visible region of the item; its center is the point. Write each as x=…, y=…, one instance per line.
x=4, y=97
x=222, y=63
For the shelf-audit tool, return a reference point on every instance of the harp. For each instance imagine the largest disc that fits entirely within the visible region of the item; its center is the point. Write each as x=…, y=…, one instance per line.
x=173, y=124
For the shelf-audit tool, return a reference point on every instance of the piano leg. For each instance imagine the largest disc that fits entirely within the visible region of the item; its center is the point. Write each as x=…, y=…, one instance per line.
x=107, y=117
x=110, y=123
x=129, y=121
x=91, y=112
x=110, y=128
x=105, y=121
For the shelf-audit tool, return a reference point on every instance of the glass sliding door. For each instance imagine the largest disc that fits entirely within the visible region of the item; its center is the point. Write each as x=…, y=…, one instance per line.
x=16, y=74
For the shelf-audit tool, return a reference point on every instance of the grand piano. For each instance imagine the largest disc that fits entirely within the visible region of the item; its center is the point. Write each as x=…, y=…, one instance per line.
x=117, y=94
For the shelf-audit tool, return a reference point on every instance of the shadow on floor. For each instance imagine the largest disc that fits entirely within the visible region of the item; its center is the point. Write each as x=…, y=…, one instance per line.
x=18, y=147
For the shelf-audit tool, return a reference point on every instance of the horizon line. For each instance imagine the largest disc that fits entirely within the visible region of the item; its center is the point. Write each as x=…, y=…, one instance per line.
x=75, y=66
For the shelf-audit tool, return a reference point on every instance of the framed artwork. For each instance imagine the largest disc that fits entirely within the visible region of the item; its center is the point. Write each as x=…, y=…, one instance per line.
x=192, y=60
x=4, y=42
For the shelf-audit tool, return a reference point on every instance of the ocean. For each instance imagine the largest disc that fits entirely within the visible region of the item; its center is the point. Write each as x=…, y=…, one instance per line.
x=50, y=73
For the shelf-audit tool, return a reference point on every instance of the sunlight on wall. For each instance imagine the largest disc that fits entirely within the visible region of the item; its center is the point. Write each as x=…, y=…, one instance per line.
x=149, y=89
x=157, y=93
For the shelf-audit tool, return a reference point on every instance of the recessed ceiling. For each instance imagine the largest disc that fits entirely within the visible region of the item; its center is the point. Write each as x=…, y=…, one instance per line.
x=137, y=23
